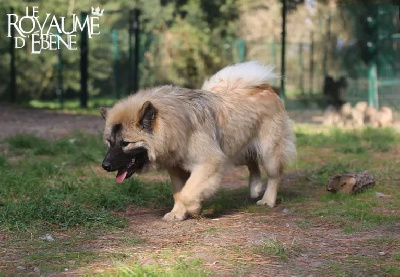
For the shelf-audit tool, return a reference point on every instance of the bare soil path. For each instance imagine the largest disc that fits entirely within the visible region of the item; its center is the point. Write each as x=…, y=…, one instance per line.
x=45, y=123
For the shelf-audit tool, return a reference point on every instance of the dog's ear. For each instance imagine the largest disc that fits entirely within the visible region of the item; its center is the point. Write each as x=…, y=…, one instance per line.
x=147, y=116
x=103, y=112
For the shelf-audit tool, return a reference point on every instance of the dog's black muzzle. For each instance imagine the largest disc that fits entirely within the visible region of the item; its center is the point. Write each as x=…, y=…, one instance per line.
x=131, y=161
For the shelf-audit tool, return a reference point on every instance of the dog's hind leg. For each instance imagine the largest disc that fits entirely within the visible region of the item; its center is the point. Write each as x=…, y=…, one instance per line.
x=255, y=182
x=277, y=149
x=272, y=155
x=274, y=170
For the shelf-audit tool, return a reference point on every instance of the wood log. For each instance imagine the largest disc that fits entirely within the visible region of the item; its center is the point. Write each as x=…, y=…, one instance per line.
x=351, y=182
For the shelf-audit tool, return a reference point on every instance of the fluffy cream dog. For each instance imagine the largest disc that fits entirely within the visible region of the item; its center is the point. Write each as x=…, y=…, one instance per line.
x=235, y=118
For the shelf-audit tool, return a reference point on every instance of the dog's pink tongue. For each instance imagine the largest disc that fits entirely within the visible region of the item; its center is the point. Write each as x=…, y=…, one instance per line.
x=121, y=176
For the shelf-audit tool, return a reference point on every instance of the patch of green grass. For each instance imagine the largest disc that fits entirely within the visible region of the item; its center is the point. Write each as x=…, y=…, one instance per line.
x=37, y=146
x=73, y=105
x=350, y=141
x=3, y=161
x=56, y=259
x=72, y=249
x=390, y=270
x=380, y=139
x=349, y=229
x=305, y=224
x=277, y=249
x=184, y=268
x=322, y=174
x=53, y=260
x=76, y=150
x=226, y=201
x=44, y=211
x=357, y=265
x=134, y=192
x=390, y=241
x=132, y=241
x=59, y=187
x=327, y=153
x=354, y=212
x=353, y=147
x=212, y=230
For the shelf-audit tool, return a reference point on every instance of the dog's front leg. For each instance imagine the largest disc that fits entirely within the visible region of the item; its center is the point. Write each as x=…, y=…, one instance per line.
x=178, y=179
x=202, y=183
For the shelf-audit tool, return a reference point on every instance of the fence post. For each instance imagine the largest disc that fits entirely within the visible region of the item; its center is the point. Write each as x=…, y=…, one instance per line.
x=282, y=94
x=59, y=90
x=13, y=71
x=130, y=31
x=241, y=46
x=327, y=44
x=372, y=85
x=116, y=62
x=312, y=63
x=301, y=68
x=84, y=62
x=137, y=45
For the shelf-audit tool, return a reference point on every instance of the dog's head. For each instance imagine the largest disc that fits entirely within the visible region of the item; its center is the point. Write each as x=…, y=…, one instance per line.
x=128, y=134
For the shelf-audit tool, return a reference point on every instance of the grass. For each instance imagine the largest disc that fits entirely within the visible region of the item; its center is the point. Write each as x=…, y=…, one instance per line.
x=357, y=265
x=352, y=141
x=73, y=105
x=226, y=201
x=55, y=184
x=277, y=249
x=343, y=152
x=181, y=267
x=58, y=187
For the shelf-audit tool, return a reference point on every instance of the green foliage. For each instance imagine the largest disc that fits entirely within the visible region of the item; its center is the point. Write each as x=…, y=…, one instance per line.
x=188, y=39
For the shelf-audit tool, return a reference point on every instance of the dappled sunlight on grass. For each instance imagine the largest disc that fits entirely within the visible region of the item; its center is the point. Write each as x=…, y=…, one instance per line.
x=73, y=105
x=58, y=186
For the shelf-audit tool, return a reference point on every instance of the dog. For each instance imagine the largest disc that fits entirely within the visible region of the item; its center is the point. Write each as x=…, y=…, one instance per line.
x=236, y=118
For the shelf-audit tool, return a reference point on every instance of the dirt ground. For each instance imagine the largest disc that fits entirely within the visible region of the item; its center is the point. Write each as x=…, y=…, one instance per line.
x=54, y=124
x=45, y=123
x=317, y=245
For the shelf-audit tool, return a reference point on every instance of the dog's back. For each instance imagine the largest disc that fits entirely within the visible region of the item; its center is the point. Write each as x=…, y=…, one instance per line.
x=253, y=108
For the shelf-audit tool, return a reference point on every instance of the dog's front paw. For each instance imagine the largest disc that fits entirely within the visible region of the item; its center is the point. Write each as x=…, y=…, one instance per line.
x=266, y=202
x=255, y=190
x=175, y=216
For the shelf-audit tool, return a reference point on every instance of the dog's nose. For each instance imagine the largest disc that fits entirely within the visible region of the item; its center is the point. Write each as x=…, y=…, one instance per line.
x=107, y=166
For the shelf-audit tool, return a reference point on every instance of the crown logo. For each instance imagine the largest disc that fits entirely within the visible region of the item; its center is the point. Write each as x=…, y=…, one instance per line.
x=97, y=11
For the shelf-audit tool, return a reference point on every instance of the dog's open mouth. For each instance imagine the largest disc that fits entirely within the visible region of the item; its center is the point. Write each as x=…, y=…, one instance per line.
x=125, y=173
x=136, y=164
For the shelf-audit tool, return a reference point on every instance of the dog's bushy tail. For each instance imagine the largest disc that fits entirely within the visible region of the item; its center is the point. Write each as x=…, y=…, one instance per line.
x=240, y=76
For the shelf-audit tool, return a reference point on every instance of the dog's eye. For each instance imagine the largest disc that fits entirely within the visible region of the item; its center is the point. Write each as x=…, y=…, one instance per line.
x=125, y=143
